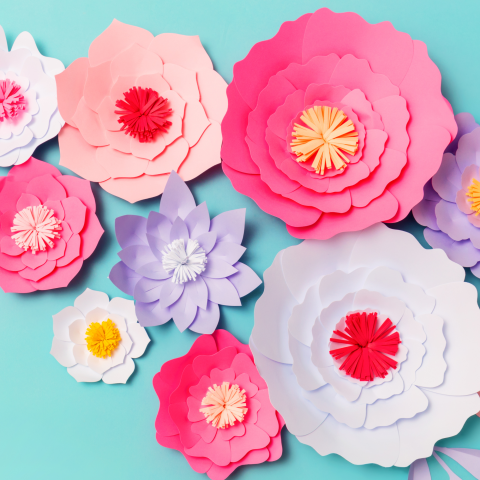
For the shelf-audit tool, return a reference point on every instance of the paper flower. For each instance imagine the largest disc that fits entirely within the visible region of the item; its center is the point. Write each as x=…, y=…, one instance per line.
x=450, y=207
x=369, y=345
x=178, y=264
x=97, y=339
x=48, y=227
x=335, y=124
x=139, y=107
x=28, y=99
x=184, y=385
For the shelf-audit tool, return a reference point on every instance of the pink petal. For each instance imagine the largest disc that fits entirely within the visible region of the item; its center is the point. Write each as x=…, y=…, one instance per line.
x=203, y=364
x=27, y=200
x=154, y=81
x=181, y=393
x=225, y=339
x=253, y=457
x=266, y=417
x=34, y=261
x=60, y=277
x=207, y=431
x=369, y=118
x=174, y=130
x=12, y=264
x=218, y=451
x=10, y=194
x=136, y=189
x=58, y=250
x=77, y=187
x=98, y=85
x=38, y=273
x=9, y=247
x=46, y=188
x=213, y=94
x=182, y=81
x=254, y=439
x=119, y=141
x=252, y=414
x=6, y=222
x=66, y=232
x=279, y=122
x=108, y=117
x=88, y=123
x=194, y=123
x=12, y=283
x=33, y=168
x=122, y=84
x=135, y=61
x=72, y=251
x=238, y=430
x=275, y=447
x=374, y=147
x=194, y=406
x=244, y=383
x=56, y=206
x=119, y=164
x=243, y=364
x=326, y=202
x=325, y=93
x=148, y=150
x=164, y=422
x=170, y=159
x=75, y=212
x=91, y=234
x=218, y=376
x=175, y=102
x=199, y=390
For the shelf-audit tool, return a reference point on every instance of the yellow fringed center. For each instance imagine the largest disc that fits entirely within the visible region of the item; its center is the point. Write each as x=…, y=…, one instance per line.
x=102, y=339
x=328, y=134
x=474, y=193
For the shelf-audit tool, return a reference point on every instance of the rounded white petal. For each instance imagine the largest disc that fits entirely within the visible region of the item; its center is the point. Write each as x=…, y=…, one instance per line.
x=331, y=315
x=81, y=354
x=347, y=389
x=63, y=352
x=91, y=299
x=97, y=315
x=308, y=377
x=385, y=390
x=99, y=365
x=140, y=340
x=118, y=356
x=118, y=320
x=83, y=374
x=392, y=307
x=124, y=308
x=126, y=341
x=77, y=331
x=62, y=320
x=120, y=373
x=335, y=286
x=320, y=354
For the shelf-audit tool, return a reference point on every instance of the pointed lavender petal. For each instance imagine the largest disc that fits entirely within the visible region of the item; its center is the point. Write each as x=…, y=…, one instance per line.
x=218, y=268
x=131, y=230
x=207, y=241
x=466, y=123
x=136, y=256
x=124, y=278
x=179, y=230
x=152, y=314
x=177, y=199
x=419, y=470
x=198, y=221
x=183, y=312
x=170, y=293
x=159, y=226
x=228, y=252
x=468, y=458
x=197, y=291
x=154, y=271
x=229, y=226
x=157, y=245
x=206, y=321
x=147, y=290
x=246, y=280
x=222, y=291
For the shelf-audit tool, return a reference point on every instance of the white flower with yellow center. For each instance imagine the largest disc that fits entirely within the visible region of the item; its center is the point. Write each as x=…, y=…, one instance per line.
x=97, y=339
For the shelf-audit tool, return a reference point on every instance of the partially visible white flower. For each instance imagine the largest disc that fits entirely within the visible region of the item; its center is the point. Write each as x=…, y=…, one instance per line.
x=93, y=313
x=29, y=113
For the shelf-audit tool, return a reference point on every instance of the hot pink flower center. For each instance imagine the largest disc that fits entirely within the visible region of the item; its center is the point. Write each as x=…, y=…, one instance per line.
x=11, y=101
x=368, y=349
x=143, y=113
x=36, y=228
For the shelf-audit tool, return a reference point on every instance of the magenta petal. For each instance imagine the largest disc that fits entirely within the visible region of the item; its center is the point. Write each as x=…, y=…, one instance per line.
x=9, y=247
x=218, y=268
x=279, y=121
x=245, y=280
x=136, y=256
x=27, y=200
x=206, y=321
x=12, y=264
x=254, y=439
x=91, y=234
x=32, y=169
x=205, y=430
x=71, y=252
x=218, y=451
x=183, y=312
x=243, y=381
x=197, y=292
x=221, y=291
x=124, y=278
x=46, y=188
x=227, y=251
x=177, y=199
x=152, y=314
x=66, y=232
x=194, y=406
x=242, y=363
x=131, y=230
x=203, y=364
x=328, y=202
x=238, y=430
x=39, y=273
x=229, y=226
x=219, y=376
x=56, y=206
x=60, y=277
x=148, y=291
x=170, y=293
x=10, y=194
x=34, y=261
x=11, y=282
x=178, y=412
x=267, y=417
x=75, y=212
x=199, y=390
x=324, y=92
x=253, y=457
x=198, y=221
x=179, y=231
x=79, y=188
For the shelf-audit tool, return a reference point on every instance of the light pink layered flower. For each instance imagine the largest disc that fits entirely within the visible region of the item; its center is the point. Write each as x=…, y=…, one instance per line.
x=139, y=107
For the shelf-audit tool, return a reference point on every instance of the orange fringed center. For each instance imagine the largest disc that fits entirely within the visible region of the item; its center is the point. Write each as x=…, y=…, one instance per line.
x=329, y=133
x=226, y=405
x=102, y=339
x=474, y=193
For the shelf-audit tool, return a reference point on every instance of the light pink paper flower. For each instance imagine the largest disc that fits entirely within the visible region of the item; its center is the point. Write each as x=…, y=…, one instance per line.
x=48, y=227
x=383, y=82
x=139, y=107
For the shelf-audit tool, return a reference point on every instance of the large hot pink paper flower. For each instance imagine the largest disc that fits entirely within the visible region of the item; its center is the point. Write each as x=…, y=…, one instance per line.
x=48, y=227
x=139, y=107
x=332, y=92
x=217, y=362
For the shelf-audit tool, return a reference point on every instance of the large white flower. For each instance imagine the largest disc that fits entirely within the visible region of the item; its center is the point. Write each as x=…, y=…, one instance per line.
x=97, y=338
x=29, y=114
x=378, y=400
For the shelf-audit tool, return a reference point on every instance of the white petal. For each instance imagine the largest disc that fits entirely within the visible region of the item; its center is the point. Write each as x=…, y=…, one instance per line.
x=3, y=40
x=97, y=315
x=445, y=417
x=123, y=307
x=330, y=316
x=62, y=320
x=120, y=373
x=349, y=390
x=119, y=322
x=308, y=377
x=320, y=351
x=9, y=158
x=126, y=342
x=63, y=352
x=385, y=390
x=408, y=369
x=118, y=356
x=91, y=299
x=410, y=327
x=40, y=122
x=99, y=365
x=83, y=374
x=77, y=331
x=392, y=307
x=81, y=353
x=140, y=340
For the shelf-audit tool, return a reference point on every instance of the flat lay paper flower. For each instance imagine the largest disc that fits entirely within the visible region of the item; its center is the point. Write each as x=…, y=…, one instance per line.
x=29, y=114
x=369, y=345
x=48, y=227
x=217, y=362
x=450, y=207
x=335, y=124
x=139, y=107
x=180, y=264
x=97, y=339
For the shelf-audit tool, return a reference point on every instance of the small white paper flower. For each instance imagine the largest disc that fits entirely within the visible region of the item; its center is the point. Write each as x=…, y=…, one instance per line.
x=29, y=113
x=96, y=339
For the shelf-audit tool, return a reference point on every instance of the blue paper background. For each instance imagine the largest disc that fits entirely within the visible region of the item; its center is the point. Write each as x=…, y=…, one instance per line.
x=53, y=428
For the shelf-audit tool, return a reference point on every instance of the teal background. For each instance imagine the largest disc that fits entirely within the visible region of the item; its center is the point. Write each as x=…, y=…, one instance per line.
x=53, y=428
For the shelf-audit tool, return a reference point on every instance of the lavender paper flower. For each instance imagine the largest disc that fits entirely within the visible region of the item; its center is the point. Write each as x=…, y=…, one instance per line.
x=450, y=209
x=180, y=264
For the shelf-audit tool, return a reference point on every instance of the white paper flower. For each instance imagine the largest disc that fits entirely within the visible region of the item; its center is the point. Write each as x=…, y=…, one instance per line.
x=368, y=415
x=29, y=114
x=97, y=338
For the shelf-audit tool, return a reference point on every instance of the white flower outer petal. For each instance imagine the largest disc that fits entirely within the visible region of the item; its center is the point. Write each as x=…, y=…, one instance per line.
x=62, y=320
x=63, y=352
x=91, y=299
x=308, y=377
x=83, y=374
x=77, y=332
x=124, y=308
x=140, y=340
x=120, y=373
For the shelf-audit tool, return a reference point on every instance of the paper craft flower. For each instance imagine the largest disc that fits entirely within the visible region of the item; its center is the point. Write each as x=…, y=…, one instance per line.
x=96, y=339
x=139, y=107
x=451, y=204
x=335, y=124
x=180, y=264
x=48, y=227
x=252, y=433
x=28, y=99
x=369, y=345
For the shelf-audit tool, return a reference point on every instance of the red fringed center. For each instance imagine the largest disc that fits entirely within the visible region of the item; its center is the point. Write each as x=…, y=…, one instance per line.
x=143, y=113
x=368, y=348
x=12, y=102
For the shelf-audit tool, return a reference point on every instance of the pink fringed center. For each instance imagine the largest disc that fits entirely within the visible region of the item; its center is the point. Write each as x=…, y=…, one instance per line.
x=227, y=405
x=36, y=227
x=11, y=101
x=368, y=349
x=143, y=113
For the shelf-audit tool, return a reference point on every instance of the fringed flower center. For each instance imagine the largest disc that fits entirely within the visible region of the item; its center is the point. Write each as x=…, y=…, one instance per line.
x=35, y=228
x=327, y=134
x=143, y=113
x=102, y=339
x=12, y=102
x=226, y=405
x=368, y=349
x=186, y=263
x=474, y=193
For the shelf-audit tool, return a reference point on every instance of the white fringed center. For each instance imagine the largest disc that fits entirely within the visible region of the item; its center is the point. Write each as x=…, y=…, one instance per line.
x=186, y=263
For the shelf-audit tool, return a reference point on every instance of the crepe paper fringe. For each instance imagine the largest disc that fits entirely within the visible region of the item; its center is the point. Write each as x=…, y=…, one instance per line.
x=474, y=193
x=143, y=113
x=368, y=350
x=187, y=263
x=329, y=132
x=227, y=405
x=12, y=102
x=36, y=227
x=102, y=339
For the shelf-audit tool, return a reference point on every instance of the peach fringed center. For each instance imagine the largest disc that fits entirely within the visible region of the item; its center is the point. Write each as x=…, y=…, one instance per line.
x=474, y=193
x=35, y=228
x=11, y=101
x=329, y=133
x=227, y=405
x=102, y=339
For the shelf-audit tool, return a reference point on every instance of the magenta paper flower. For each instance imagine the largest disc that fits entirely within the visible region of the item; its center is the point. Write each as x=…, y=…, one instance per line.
x=217, y=362
x=450, y=208
x=48, y=227
x=139, y=107
x=180, y=264
x=335, y=124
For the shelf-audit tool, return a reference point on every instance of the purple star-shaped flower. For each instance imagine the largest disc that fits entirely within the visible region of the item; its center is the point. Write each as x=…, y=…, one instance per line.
x=180, y=264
